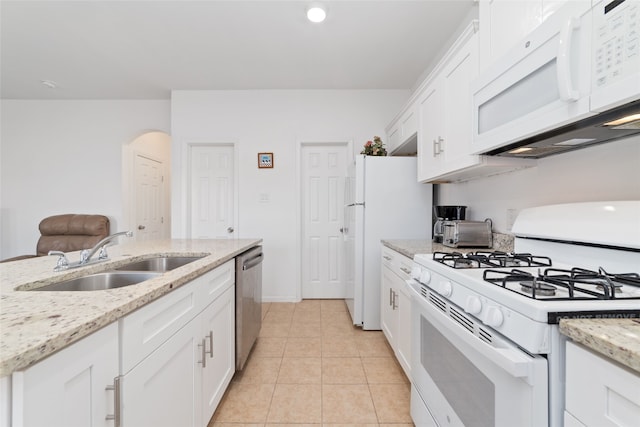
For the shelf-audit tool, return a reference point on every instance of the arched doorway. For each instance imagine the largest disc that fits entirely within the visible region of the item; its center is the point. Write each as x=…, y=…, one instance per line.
x=146, y=186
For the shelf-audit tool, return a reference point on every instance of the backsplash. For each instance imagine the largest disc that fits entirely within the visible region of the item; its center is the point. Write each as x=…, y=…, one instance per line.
x=603, y=172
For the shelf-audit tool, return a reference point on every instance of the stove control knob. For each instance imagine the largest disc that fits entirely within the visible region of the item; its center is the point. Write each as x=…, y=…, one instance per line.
x=425, y=277
x=415, y=272
x=445, y=289
x=473, y=305
x=494, y=317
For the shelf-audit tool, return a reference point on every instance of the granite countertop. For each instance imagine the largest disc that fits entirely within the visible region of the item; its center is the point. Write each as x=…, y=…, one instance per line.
x=34, y=325
x=617, y=339
x=409, y=247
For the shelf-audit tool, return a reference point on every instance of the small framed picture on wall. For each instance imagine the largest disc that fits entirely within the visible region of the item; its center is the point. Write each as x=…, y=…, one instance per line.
x=265, y=160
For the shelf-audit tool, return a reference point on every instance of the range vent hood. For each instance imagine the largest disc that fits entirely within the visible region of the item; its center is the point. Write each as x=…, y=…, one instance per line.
x=619, y=122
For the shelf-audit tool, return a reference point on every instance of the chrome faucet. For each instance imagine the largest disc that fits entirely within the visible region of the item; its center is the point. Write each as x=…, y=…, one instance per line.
x=86, y=254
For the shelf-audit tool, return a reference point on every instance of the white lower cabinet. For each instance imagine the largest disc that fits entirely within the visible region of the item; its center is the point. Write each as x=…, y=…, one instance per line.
x=166, y=364
x=72, y=388
x=181, y=381
x=161, y=390
x=395, y=316
x=599, y=392
x=217, y=326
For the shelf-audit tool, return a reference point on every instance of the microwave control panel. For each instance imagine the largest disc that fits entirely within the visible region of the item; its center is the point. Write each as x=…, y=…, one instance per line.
x=616, y=44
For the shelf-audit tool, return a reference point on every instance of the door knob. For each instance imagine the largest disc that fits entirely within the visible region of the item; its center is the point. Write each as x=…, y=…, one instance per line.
x=230, y=230
x=141, y=227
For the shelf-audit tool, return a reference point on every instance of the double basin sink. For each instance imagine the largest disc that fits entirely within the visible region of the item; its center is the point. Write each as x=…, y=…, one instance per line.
x=128, y=274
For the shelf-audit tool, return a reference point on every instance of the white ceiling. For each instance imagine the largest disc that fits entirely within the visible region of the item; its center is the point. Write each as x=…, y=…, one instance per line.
x=121, y=49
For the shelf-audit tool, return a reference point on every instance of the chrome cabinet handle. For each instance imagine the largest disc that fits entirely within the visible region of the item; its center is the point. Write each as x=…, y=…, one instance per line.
x=210, y=344
x=391, y=297
x=406, y=270
x=388, y=258
x=435, y=148
x=116, y=402
x=204, y=353
x=393, y=304
x=141, y=227
x=230, y=230
x=440, y=147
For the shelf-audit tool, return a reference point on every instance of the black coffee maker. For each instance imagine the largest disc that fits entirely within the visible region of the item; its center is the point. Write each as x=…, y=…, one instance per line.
x=445, y=213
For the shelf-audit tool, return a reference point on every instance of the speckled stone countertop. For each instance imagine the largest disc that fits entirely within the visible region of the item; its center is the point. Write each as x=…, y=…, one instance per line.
x=34, y=325
x=409, y=248
x=617, y=339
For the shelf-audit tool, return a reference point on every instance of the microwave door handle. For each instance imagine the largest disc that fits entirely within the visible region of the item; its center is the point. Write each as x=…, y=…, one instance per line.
x=565, y=85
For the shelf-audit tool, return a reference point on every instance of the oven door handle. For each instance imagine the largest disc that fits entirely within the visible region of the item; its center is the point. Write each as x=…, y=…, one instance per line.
x=511, y=359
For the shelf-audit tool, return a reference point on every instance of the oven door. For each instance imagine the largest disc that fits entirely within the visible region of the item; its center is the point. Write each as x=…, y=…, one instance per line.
x=469, y=381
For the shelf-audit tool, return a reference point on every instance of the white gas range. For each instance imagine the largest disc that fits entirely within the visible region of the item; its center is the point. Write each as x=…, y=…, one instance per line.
x=487, y=349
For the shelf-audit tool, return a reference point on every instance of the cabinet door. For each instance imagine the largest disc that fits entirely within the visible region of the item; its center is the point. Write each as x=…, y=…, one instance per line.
x=505, y=22
x=164, y=389
x=394, y=136
x=458, y=74
x=403, y=335
x=600, y=392
x=218, y=330
x=430, y=131
x=70, y=388
x=388, y=314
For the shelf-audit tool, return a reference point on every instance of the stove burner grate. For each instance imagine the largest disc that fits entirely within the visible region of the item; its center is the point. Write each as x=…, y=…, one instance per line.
x=579, y=283
x=488, y=259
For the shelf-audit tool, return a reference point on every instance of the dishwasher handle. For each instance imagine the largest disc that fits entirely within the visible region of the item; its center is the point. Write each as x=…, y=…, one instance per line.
x=250, y=263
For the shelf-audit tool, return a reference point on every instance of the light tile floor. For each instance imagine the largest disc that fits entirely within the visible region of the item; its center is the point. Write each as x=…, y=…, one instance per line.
x=311, y=367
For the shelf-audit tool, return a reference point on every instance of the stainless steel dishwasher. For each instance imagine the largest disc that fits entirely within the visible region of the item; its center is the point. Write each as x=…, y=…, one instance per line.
x=248, y=302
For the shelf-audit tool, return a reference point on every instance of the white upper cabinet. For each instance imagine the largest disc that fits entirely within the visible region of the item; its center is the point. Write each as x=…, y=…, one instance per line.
x=504, y=22
x=402, y=130
x=445, y=120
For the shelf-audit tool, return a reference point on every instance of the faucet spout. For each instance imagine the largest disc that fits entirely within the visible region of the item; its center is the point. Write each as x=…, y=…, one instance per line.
x=85, y=255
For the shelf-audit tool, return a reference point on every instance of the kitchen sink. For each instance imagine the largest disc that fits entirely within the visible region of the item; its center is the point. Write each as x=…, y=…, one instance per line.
x=101, y=281
x=159, y=264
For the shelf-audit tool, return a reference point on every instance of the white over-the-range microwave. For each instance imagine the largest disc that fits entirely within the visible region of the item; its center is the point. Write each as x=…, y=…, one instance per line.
x=573, y=82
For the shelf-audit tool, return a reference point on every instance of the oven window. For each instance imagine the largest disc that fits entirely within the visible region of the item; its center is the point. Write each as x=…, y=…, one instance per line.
x=469, y=392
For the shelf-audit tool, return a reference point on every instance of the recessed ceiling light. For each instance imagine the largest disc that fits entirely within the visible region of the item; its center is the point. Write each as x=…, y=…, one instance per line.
x=316, y=13
x=49, y=83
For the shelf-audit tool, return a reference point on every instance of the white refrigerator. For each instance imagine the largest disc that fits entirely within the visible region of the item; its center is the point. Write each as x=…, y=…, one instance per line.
x=383, y=201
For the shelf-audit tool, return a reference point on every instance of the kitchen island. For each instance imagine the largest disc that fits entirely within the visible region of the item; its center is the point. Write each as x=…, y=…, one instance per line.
x=34, y=325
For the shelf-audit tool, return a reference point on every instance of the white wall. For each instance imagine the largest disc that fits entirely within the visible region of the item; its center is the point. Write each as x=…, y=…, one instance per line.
x=65, y=157
x=272, y=121
x=608, y=171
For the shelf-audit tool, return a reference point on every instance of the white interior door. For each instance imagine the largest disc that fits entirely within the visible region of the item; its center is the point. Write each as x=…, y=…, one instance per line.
x=323, y=172
x=149, y=196
x=212, y=192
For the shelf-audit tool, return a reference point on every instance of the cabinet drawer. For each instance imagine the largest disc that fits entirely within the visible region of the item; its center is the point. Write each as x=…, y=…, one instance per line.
x=212, y=284
x=147, y=328
x=404, y=267
x=389, y=257
x=600, y=392
x=397, y=263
